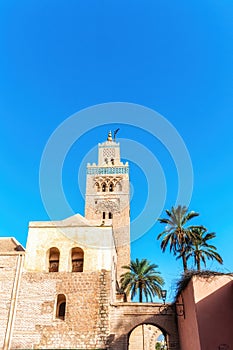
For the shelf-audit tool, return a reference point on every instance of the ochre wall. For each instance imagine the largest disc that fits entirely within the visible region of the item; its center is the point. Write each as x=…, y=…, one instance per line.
x=208, y=305
x=214, y=305
x=187, y=323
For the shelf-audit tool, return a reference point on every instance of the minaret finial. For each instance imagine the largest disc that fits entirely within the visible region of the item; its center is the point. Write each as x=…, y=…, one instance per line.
x=109, y=136
x=115, y=132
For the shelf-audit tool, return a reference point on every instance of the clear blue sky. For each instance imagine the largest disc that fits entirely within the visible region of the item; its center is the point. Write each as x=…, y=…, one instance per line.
x=175, y=57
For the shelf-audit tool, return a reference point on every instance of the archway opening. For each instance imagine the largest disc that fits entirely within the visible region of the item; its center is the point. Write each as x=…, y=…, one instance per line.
x=147, y=337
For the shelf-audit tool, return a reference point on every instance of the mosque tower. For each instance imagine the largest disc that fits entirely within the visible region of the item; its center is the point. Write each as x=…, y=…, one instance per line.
x=108, y=195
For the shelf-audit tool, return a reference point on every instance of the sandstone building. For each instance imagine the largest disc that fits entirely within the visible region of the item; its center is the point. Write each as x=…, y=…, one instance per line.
x=60, y=292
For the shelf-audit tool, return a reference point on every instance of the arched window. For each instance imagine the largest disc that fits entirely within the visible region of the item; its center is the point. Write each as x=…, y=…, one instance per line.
x=111, y=187
x=104, y=187
x=118, y=187
x=110, y=215
x=97, y=187
x=54, y=256
x=112, y=161
x=103, y=214
x=61, y=306
x=77, y=257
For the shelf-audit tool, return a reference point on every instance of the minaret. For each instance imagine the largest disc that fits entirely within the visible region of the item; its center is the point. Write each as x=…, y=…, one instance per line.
x=107, y=197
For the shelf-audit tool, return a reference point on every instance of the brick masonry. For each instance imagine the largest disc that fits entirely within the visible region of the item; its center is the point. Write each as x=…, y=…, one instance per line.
x=7, y=276
x=92, y=320
x=86, y=323
x=125, y=317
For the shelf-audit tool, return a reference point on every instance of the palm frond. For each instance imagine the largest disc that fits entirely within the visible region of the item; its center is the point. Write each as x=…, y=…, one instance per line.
x=141, y=277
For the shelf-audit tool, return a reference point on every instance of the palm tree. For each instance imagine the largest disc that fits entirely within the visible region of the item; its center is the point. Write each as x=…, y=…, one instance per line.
x=200, y=249
x=177, y=234
x=142, y=277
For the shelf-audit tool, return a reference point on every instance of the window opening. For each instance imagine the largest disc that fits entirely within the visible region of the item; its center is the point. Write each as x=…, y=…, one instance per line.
x=54, y=256
x=118, y=186
x=77, y=257
x=61, y=306
x=62, y=310
x=97, y=186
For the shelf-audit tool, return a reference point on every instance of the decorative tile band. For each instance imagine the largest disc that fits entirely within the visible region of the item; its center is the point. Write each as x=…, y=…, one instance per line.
x=107, y=170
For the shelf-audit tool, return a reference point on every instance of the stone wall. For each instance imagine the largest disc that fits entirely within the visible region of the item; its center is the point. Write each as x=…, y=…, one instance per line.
x=8, y=263
x=86, y=323
x=125, y=317
x=91, y=321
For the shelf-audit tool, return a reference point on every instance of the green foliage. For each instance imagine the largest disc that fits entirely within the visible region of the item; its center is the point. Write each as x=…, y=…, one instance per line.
x=187, y=241
x=199, y=249
x=142, y=278
x=177, y=233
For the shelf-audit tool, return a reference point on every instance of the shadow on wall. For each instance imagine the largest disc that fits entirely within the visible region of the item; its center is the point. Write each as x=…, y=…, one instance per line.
x=114, y=343
x=120, y=337
x=215, y=319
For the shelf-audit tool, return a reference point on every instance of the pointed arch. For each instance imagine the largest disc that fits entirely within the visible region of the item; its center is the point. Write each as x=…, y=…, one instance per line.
x=118, y=186
x=104, y=187
x=97, y=187
x=111, y=187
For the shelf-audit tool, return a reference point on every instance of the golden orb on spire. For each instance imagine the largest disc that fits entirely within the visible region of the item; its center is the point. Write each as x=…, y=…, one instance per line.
x=109, y=136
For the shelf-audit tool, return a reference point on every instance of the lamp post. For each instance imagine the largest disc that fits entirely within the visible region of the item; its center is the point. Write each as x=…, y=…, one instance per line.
x=164, y=295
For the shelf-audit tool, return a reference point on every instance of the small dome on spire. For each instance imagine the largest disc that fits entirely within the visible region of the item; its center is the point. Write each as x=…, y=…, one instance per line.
x=109, y=136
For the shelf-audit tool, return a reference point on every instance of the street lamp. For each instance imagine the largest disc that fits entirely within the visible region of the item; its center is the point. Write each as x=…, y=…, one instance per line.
x=164, y=295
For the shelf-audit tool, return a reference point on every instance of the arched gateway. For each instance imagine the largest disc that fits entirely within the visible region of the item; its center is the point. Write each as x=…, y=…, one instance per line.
x=127, y=316
x=146, y=337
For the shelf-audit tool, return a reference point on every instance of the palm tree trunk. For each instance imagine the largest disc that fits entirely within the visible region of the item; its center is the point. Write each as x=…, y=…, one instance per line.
x=140, y=293
x=198, y=265
x=184, y=263
x=197, y=258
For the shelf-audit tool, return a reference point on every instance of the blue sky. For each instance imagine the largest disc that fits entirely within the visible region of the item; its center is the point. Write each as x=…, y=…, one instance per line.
x=174, y=57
